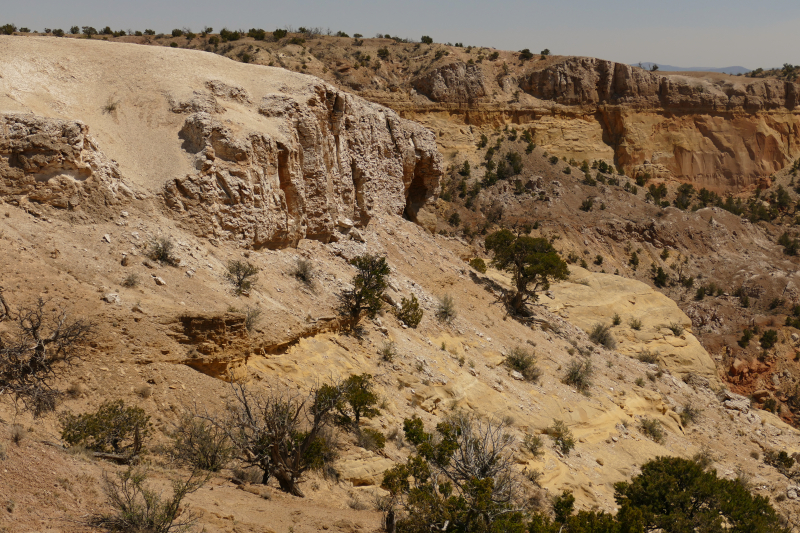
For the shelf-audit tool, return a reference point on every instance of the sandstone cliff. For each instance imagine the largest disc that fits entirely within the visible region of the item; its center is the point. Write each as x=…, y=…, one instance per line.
x=257, y=155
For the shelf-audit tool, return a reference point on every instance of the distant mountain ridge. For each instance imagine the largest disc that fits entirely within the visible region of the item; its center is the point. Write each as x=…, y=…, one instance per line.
x=671, y=68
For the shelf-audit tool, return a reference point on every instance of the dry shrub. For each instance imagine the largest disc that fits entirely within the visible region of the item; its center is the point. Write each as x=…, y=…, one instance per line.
x=144, y=391
x=17, y=434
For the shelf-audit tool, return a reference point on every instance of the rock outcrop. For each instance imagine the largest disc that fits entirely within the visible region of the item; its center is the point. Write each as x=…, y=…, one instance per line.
x=328, y=160
x=591, y=81
x=218, y=345
x=456, y=83
x=258, y=155
x=55, y=162
x=596, y=298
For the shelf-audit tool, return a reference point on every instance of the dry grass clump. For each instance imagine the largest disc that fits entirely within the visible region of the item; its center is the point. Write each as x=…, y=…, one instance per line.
x=524, y=362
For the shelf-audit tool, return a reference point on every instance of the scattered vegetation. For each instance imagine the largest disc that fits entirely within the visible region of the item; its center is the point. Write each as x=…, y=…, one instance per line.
x=532, y=261
x=139, y=508
x=410, y=312
x=202, y=444
x=242, y=275
x=42, y=342
x=676, y=328
x=579, y=375
x=446, y=311
x=768, y=339
x=303, y=270
x=670, y=495
x=478, y=264
x=369, y=284
x=460, y=479
x=646, y=356
x=281, y=432
x=252, y=315
x=534, y=445
x=388, y=351
x=114, y=427
x=162, y=250
x=652, y=429
x=524, y=362
x=561, y=435
x=601, y=334
x=635, y=324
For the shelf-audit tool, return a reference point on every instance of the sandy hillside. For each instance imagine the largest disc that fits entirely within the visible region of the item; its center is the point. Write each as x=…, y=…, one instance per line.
x=163, y=341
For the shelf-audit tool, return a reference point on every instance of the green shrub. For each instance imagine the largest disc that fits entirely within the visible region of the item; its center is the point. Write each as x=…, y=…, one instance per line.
x=579, y=374
x=660, y=278
x=532, y=261
x=113, y=427
x=369, y=284
x=616, y=320
x=768, y=339
x=634, y=260
x=446, y=312
x=561, y=435
x=410, y=312
x=242, y=275
x=601, y=334
x=279, y=34
x=780, y=460
x=478, y=264
x=534, y=445
x=358, y=401
x=388, y=351
x=747, y=335
x=524, y=362
x=636, y=324
x=652, y=428
x=426, y=39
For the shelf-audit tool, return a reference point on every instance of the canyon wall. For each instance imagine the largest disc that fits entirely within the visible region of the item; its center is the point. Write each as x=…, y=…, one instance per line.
x=726, y=133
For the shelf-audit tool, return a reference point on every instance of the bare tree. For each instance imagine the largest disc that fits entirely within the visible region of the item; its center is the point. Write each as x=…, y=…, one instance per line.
x=471, y=459
x=46, y=339
x=278, y=432
x=483, y=452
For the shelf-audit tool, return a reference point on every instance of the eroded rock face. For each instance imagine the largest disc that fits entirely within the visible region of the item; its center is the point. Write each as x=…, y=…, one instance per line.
x=332, y=158
x=589, y=81
x=55, y=162
x=725, y=135
x=219, y=344
x=456, y=82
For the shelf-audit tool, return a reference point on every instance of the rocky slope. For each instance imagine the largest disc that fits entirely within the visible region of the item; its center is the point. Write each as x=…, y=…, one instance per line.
x=107, y=147
x=726, y=133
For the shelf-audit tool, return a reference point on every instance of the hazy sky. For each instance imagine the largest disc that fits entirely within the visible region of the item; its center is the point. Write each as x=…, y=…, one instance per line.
x=687, y=33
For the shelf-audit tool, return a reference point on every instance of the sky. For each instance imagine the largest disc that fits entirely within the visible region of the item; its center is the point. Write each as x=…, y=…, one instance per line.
x=685, y=33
